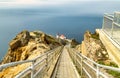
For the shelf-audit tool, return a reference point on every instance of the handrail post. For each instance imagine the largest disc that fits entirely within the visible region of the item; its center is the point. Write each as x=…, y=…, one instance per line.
x=112, y=29
x=46, y=63
x=75, y=59
x=53, y=57
x=32, y=69
x=81, y=65
x=97, y=71
x=46, y=59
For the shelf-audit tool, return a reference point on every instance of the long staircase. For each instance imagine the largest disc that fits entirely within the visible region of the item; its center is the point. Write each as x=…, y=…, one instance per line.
x=62, y=62
x=65, y=67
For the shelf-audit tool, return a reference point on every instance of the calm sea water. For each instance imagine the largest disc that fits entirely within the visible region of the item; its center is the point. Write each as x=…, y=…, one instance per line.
x=13, y=21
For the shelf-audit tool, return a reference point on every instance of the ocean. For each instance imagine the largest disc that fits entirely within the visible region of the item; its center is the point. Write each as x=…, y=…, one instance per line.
x=13, y=21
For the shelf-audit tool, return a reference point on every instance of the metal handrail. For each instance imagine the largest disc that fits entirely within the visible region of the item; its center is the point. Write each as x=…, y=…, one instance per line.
x=34, y=62
x=109, y=18
x=44, y=66
x=20, y=62
x=113, y=25
x=102, y=66
x=23, y=72
x=95, y=66
x=114, y=42
x=56, y=67
x=109, y=15
x=13, y=64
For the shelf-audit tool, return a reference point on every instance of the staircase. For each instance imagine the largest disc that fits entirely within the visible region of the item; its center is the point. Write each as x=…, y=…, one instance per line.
x=62, y=62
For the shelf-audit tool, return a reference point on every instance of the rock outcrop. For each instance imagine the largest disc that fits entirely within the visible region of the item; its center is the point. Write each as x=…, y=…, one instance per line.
x=74, y=43
x=92, y=47
x=20, y=40
x=26, y=46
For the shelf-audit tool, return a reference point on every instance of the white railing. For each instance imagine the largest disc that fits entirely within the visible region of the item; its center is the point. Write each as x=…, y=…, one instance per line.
x=56, y=68
x=111, y=28
x=39, y=65
x=87, y=68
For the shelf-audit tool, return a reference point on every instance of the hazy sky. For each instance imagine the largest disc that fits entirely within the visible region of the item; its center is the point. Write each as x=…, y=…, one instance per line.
x=51, y=0
x=57, y=1
x=71, y=6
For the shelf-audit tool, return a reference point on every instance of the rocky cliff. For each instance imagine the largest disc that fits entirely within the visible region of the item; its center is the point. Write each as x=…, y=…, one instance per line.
x=93, y=48
x=25, y=46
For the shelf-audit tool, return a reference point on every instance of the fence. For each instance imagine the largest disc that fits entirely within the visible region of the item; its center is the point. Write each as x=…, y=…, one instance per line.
x=39, y=66
x=88, y=68
x=111, y=27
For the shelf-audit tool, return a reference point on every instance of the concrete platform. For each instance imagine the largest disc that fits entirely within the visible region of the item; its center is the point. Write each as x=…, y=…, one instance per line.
x=112, y=47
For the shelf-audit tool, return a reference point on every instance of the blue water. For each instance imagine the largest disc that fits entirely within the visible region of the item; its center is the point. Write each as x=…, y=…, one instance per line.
x=13, y=21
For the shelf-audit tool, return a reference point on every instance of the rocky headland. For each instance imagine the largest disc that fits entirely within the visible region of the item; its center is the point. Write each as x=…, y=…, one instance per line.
x=26, y=46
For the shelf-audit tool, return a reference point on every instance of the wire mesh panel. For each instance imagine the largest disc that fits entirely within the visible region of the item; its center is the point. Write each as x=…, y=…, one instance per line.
x=107, y=24
x=111, y=26
x=116, y=32
x=117, y=17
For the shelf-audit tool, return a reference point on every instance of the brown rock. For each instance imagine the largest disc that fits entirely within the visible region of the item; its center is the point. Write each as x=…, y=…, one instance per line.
x=95, y=50
x=14, y=44
x=32, y=48
x=25, y=38
x=20, y=40
x=26, y=46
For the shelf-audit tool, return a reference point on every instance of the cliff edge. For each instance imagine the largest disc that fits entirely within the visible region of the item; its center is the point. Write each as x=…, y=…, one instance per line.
x=26, y=46
x=94, y=47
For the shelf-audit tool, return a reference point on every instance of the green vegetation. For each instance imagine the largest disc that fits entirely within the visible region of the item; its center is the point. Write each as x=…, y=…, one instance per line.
x=47, y=38
x=114, y=73
x=95, y=36
x=112, y=64
x=38, y=34
x=101, y=62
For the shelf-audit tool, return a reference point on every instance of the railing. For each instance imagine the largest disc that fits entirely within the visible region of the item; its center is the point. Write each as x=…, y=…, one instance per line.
x=39, y=66
x=111, y=27
x=108, y=24
x=56, y=67
x=88, y=68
